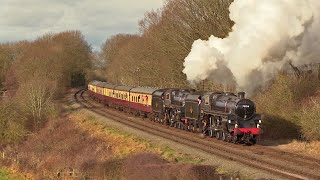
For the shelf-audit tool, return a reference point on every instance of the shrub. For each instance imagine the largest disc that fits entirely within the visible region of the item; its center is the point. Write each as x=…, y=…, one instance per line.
x=12, y=128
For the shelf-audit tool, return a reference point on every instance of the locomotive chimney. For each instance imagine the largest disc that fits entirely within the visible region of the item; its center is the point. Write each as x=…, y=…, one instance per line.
x=241, y=95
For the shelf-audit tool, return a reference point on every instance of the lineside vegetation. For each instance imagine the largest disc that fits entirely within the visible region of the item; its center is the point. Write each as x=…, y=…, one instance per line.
x=34, y=74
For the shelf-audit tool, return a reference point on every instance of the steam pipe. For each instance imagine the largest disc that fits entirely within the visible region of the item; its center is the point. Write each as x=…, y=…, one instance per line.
x=241, y=95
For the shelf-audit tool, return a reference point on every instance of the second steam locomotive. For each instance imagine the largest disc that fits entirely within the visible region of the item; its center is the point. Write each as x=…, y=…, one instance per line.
x=223, y=115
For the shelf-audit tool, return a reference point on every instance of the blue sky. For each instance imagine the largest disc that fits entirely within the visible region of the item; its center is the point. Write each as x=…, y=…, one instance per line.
x=96, y=19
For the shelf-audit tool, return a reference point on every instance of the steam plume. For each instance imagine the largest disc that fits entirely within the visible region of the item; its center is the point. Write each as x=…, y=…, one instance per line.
x=266, y=35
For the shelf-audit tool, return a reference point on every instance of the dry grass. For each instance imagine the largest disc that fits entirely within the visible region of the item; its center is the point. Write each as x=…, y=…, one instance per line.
x=81, y=144
x=120, y=143
x=123, y=144
x=310, y=148
x=282, y=105
x=310, y=119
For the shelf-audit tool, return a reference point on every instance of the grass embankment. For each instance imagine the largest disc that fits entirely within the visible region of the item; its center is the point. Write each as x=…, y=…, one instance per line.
x=165, y=163
x=122, y=143
x=307, y=148
x=291, y=109
x=80, y=146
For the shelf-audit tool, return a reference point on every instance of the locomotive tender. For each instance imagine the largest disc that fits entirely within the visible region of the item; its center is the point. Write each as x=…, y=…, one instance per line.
x=223, y=115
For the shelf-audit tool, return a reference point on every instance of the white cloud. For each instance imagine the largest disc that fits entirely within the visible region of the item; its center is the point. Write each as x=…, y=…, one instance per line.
x=96, y=19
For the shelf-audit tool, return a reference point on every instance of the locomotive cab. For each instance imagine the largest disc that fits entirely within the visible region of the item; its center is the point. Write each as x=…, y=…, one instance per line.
x=175, y=97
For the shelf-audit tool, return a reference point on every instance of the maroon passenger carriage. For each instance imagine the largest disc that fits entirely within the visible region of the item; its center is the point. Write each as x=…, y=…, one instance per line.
x=128, y=98
x=96, y=91
x=141, y=99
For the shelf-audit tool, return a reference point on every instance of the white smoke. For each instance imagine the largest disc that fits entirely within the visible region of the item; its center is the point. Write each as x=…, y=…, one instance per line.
x=266, y=35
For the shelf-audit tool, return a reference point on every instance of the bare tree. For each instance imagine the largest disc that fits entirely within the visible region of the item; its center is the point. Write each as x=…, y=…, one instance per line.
x=165, y=39
x=35, y=98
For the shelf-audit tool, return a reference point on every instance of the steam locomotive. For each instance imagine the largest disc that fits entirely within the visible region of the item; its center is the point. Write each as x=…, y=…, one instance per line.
x=222, y=115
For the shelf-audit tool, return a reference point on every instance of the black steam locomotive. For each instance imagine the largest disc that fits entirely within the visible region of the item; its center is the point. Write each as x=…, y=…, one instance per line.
x=217, y=114
x=223, y=115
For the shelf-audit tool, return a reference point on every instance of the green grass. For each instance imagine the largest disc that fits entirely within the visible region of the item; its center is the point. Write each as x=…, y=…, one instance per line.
x=171, y=155
x=6, y=175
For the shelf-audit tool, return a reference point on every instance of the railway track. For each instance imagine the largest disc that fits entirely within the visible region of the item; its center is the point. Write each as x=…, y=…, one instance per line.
x=280, y=163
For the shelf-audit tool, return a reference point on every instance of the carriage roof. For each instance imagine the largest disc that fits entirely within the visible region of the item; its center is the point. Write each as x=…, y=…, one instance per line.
x=143, y=90
x=123, y=88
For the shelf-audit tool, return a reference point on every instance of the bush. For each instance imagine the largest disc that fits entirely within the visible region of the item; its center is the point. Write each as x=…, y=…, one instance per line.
x=12, y=128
